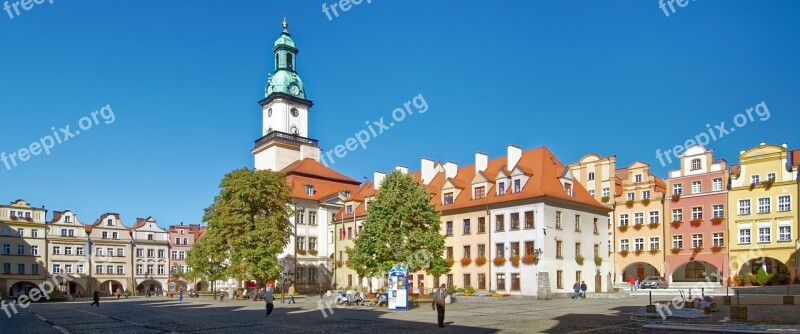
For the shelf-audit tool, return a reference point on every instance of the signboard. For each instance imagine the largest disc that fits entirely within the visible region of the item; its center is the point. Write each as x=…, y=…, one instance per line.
x=398, y=288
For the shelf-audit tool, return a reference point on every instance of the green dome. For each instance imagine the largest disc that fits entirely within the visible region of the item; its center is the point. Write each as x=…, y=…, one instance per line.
x=282, y=81
x=285, y=39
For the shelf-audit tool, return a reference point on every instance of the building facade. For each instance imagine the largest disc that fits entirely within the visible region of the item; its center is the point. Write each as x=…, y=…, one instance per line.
x=150, y=258
x=181, y=239
x=68, y=249
x=23, y=253
x=111, y=246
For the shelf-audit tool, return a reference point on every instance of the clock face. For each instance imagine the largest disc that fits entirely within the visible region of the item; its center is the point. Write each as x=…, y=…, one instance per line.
x=295, y=130
x=269, y=112
x=294, y=90
x=294, y=112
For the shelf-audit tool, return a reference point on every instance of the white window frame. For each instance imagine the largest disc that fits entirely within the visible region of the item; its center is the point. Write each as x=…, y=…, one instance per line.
x=654, y=217
x=745, y=207
x=755, y=179
x=716, y=184
x=646, y=194
x=624, y=219
x=745, y=235
x=638, y=244
x=764, y=237
x=697, y=240
x=718, y=239
x=718, y=210
x=677, y=189
x=638, y=218
x=677, y=242
x=784, y=203
x=624, y=245
x=677, y=215
x=697, y=212
x=697, y=187
x=764, y=204
x=655, y=243
x=784, y=232
x=637, y=178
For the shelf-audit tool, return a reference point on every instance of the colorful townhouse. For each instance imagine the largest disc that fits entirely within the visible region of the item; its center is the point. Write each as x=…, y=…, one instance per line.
x=640, y=223
x=68, y=249
x=763, y=217
x=181, y=239
x=696, y=223
x=111, y=246
x=150, y=259
x=23, y=254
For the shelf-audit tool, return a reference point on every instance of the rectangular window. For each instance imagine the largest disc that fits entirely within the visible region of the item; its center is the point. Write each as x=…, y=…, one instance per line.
x=7, y=268
x=578, y=249
x=140, y=252
x=160, y=253
x=56, y=250
x=514, y=248
x=559, y=279
x=624, y=245
x=80, y=269
x=467, y=227
x=480, y=192
x=764, y=234
x=501, y=188
x=637, y=178
x=467, y=252
x=35, y=269
x=449, y=252
x=349, y=209
x=755, y=179
x=606, y=192
x=623, y=219
x=104, y=235
x=744, y=235
x=467, y=280
x=150, y=269
x=500, y=250
x=35, y=233
x=448, y=198
x=718, y=210
x=150, y=253
x=784, y=233
x=784, y=203
x=181, y=255
x=697, y=213
x=696, y=187
x=631, y=196
x=115, y=235
x=597, y=250
x=638, y=244
x=763, y=205
x=655, y=243
x=161, y=269
x=514, y=282
x=67, y=250
x=697, y=241
x=111, y=252
x=301, y=243
x=559, y=250
x=312, y=243
x=98, y=269
x=718, y=240
x=654, y=217
x=448, y=228
x=515, y=221
x=577, y=223
x=56, y=268
x=591, y=192
x=21, y=269
x=558, y=220
x=481, y=250
x=139, y=269
x=744, y=207
x=20, y=249
x=771, y=176
x=301, y=218
x=501, y=281
x=481, y=281
x=638, y=218
x=677, y=189
x=481, y=224
x=677, y=241
x=646, y=194
x=499, y=223
x=312, y=218
x=109, y=269
x=35, y=251
x=596, y=231
x=517, y=185
x=716, y=185
x=349, y=233
x=120, y=270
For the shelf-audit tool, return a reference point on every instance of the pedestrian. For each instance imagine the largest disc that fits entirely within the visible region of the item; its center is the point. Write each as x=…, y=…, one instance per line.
x=631, y=281
x=636, y=284
x=180, y=295
x=576, y=290
x=438, y=303
x=292, y=291
x=583, y=289
x=221, y=295
x=95, y=299
x=269, y=298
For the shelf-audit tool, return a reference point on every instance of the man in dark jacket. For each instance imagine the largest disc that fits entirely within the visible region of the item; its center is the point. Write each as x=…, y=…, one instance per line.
x=439, y=296
x=95, y=299
x=583, y=289
x=576, y=291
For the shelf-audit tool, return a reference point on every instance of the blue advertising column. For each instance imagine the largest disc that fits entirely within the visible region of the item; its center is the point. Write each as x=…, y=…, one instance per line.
x=398, y=288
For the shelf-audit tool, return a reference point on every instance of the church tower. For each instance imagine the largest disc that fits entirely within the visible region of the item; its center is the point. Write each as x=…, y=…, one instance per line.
x=285, y=138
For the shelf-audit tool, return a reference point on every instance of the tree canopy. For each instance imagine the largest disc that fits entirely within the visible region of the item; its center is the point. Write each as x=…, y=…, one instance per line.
x=248, y=226
x=402, y=226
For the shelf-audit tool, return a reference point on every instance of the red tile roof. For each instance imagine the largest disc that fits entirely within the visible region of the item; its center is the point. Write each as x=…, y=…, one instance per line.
x=796, y=158
x=312, y=168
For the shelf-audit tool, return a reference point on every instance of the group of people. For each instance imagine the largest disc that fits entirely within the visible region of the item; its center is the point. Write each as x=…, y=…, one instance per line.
x=634, y=282
x=579, y=290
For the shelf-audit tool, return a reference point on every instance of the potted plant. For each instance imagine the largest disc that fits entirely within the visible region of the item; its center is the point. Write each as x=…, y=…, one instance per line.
x=301, y=251
x=716, y=249
x=637, y=226
x=768, y=183
x=13, y=217
x=717, y=220
x=676, y=223
x=653, y=225
x=676, y=197
x=598, y=261
x=514, y=260
x=605, y=199
x=579, y=259
x=480, y=260
x=313, y=252
x=629, y=204
x=623, y=228
x=529, y=259
x=499, y=261
x=638, y=252
x=752, y=186
x=30, y=219
x=695, y=222
x=469, y=291
x=347, y=263
x=450, y=262
x=654, y=251
x=466, y=261
x=675, y=250
x=646, y=201
x=624, y=253
x=339, y=263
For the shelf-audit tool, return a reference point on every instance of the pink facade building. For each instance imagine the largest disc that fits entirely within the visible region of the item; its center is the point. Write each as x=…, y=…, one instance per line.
x=181, y=240
x=695, y=211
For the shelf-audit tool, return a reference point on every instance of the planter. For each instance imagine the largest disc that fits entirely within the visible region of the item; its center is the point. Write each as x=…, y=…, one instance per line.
x=339, y=264
x=624, y=253
x=638, y=252
x=676, y=198
x=637, y=227
x=716, y=249
x=717, y=220
x=752, y=186
x=301, y=252
x=313, y=252
x=654, y=251
x=13, y=217
x=480, y=260
x=605, y=199
x=465, y=261
x=450, y=262
x=675, y=250
x=653, y=225
x=629, y=204
x=676, y=224
x=767, y=184
x=529, y=259
x=30, y=219
x=579, y=260
x=623, y=228
x=514, y=261
x=696, y=222
x=646, y=201
x=499, y=261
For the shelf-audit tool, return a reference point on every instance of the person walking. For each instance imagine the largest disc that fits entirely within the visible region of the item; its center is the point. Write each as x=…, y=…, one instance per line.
x=438, y=303
x=636, y=284
x=180, y=295
x=221, y=295
x=269, y=299
x=292, y=291
x=583, y=289
x=95, y=299
x=631, y=282
x=576, y=290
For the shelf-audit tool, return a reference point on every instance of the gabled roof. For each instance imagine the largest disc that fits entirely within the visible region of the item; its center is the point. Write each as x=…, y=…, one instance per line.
x=311, y=168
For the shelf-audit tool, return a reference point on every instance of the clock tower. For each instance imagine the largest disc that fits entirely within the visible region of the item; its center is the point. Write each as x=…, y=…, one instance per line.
x=285, y=137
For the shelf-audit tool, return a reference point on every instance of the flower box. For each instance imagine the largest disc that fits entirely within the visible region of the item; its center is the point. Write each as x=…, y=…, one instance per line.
x=313, y=252
x=514, y=261
x=466, y=261
x=752, y=186
x=629, y=204
x=676, y=224
x=646, y=202
x=624, y=253
x=654, y=251
x=639, y=252
x=717, y=220
x=637, y=226
x=605, y=199
x=623, y=228
x=13, y=217
x=499, y=261
x=598, y=261
x=529, y=259
x=676, y=250
x=676, y=197
x=301, y=251
x=716, y=249
x=347, y=263
x=697, y=249
x=339, y=263
x=450, y=262
x=696, y=222
x=30, y=219
x=579, y=260
x=653, y=225
x=480, y=260
x=767, y=184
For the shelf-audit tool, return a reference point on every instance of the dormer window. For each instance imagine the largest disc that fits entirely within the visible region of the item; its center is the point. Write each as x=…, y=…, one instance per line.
x=568, y=188
x=591, y=176
x=347, y=194
x=501, y=187
x=695, y=164
x=448, y=198
x=517, y=185
x=480, y=192
x=309, y=190
x=149, y=237
x=637, y=178
x=110, y=222
x=349, y=209
x=68, y=219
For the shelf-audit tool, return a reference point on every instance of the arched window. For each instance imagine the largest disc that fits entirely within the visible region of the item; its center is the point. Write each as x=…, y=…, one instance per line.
x=695, y=164
x=276, y=61
x=289, y=61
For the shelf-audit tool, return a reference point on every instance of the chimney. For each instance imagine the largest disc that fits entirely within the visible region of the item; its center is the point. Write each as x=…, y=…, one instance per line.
x=785, y=145
x=741, y=152
x=450, y=169
x=378, y=177
x=402, y=169
x=481, y=161
x=514, y=154
x=427, y=171
x=762, y=143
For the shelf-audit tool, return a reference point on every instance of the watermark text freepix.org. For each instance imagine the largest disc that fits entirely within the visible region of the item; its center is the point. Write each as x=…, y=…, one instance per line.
x=344, y=5
x=26, y=5
x=374, y=129
x=60, y=136
x=715, y=133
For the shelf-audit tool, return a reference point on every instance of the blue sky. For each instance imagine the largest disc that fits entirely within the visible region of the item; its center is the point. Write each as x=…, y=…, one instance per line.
x=183, y=80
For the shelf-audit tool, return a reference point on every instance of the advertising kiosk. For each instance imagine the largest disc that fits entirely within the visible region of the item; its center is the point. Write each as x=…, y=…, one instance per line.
x=398, y=288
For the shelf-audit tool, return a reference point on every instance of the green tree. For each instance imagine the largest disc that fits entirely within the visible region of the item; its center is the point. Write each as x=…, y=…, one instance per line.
x=402, y=226
x=207, y=259
x=249, y=223
x=762, y=277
